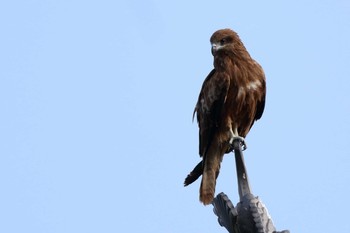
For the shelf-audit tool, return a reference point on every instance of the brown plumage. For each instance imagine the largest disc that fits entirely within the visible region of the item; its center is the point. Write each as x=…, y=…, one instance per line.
x=232, y=98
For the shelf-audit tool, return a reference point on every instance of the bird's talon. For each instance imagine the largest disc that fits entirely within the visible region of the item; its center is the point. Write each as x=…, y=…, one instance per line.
x=241, y=141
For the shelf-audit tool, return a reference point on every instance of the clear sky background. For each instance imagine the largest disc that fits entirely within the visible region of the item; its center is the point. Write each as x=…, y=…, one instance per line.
x=96, y=102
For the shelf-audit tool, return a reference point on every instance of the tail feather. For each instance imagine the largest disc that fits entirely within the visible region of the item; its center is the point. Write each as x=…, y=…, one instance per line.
x=210, y=172
x=207, y=189
x=194, y=174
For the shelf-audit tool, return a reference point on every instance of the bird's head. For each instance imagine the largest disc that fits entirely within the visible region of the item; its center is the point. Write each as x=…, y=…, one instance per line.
x=224, y=40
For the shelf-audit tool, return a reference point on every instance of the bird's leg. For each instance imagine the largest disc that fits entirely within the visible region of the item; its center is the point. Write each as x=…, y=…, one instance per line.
x=235, y=136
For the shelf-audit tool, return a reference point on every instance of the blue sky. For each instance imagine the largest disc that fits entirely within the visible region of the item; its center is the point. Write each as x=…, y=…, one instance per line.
x=97, y=99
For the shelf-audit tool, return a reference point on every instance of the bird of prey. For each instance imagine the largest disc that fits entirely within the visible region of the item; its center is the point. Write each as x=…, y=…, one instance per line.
x=232, y=98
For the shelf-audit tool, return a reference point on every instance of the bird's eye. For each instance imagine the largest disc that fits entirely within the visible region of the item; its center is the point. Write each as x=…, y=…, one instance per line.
x=223, y=41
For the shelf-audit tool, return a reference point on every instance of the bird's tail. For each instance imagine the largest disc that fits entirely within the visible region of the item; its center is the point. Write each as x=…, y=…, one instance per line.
x=194, y=174
x=211, y=170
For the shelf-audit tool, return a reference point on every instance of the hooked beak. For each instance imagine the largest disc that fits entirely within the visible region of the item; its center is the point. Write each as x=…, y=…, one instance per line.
x=215, y=47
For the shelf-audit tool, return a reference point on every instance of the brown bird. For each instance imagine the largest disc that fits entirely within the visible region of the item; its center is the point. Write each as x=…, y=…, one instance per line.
x=232, y=98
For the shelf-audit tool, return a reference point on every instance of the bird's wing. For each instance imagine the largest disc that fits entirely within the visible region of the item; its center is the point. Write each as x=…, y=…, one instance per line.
x=209, y=107
x=261, y=103
x=201, y=95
